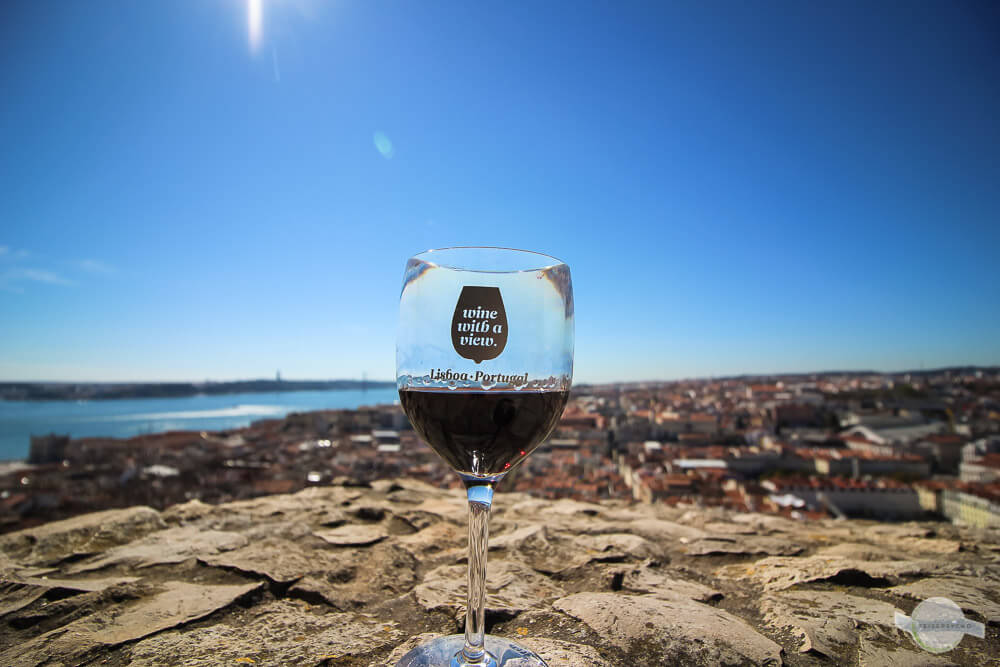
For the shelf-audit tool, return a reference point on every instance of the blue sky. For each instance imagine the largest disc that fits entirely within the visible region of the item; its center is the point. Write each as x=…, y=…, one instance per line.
x=737, y=187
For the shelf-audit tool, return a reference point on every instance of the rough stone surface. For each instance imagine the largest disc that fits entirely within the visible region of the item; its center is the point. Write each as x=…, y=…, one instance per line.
x=557, y=652
x=650, y=579
x=969, y=593
x=877, y=654
x=177, y=603
x=665, y=531
x=826, y=620
x=510, y=588
x=277, y=633
x=277, y=559
x=15, y=596
x=166, y=546
x=344, y=536
x=87, y=534
x=780, y=573
x=677, y=630
x=856, y=551
x=360, y=577
x=435, y=539
x=353, y=576
x=614, y=547
x=88, y=585
x=715, y=546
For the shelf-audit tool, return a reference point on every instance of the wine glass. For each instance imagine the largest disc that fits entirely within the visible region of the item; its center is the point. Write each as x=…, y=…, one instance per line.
x=484, y=363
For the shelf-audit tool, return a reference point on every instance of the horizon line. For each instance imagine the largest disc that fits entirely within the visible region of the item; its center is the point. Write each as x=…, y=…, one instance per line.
x=725, y=376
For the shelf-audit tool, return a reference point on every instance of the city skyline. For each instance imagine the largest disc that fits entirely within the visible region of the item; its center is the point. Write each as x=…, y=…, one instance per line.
x=219, y=190
x=650, y=381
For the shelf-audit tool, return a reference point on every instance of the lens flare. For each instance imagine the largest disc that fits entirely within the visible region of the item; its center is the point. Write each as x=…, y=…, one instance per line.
x=383, y=145
x=255, y=22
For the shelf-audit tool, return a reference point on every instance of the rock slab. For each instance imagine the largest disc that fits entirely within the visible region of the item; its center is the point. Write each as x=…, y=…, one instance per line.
x=681, y=630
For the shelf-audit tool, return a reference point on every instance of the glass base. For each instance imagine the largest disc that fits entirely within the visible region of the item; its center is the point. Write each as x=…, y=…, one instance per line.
x=446, y=652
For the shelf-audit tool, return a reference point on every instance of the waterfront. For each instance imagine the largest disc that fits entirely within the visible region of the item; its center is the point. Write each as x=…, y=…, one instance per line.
x=19, y=420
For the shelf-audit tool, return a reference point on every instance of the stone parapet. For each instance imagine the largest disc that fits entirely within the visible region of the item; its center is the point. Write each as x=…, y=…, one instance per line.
x=357, y=575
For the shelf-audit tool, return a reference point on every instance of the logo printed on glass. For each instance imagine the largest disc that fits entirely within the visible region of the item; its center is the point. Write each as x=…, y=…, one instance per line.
x=479, y=325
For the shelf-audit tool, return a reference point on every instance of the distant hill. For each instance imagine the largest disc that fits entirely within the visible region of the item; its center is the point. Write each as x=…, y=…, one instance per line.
x=59, y=391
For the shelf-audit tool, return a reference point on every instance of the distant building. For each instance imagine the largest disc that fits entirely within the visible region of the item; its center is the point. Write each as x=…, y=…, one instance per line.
x=796, y=414
x=564, y=443
x=883, y=500
x=387, y=441
x=574, y=419
x=945, y=450
x=695, y=423
x=981, y=447
x=894, y=431
x=984, y=470
x=650, y=488
x=929, y=495
x=864, y=464
x=976, y=510
x=48, y=448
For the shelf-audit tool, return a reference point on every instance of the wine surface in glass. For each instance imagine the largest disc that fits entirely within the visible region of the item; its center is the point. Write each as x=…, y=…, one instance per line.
x=483, y=433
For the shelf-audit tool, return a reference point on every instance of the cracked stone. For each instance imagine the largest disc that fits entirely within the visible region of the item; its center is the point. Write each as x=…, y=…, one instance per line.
x=86, y=534
x=438, y=537
x=856, y=551
x=766, y=523
x=718, y=528
x=527, y=537
x=826, y=620
x=279, y=560
x=778, y=573
x=772, y=546
x=385, y=571
x=454, y=508
x=966, y=592
x=615, y=547
x=648, y=579
x=177, y=603
x=558, y=652
x=192, y=510
x=876, y=654
x=353, y=535
x=64, y=609
x=278, y=633
x=16, y=596
x=87, y=585
x=670, y=631
x=536, y=508
x=890, y=532
x=340, y=603
x=173, y=545
x=510, y=588
x=666, y=533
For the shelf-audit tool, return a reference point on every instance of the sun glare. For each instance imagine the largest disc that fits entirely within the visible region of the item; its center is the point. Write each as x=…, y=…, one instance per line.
x=255, y=21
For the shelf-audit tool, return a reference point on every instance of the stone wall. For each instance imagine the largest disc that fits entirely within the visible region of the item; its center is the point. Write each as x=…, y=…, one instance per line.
x=356, y=576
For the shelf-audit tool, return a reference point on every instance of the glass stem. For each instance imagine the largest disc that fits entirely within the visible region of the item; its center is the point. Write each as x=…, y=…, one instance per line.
x=480, y=501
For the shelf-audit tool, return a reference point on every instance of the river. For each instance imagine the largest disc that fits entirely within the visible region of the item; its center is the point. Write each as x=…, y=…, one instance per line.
x=19, y=420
